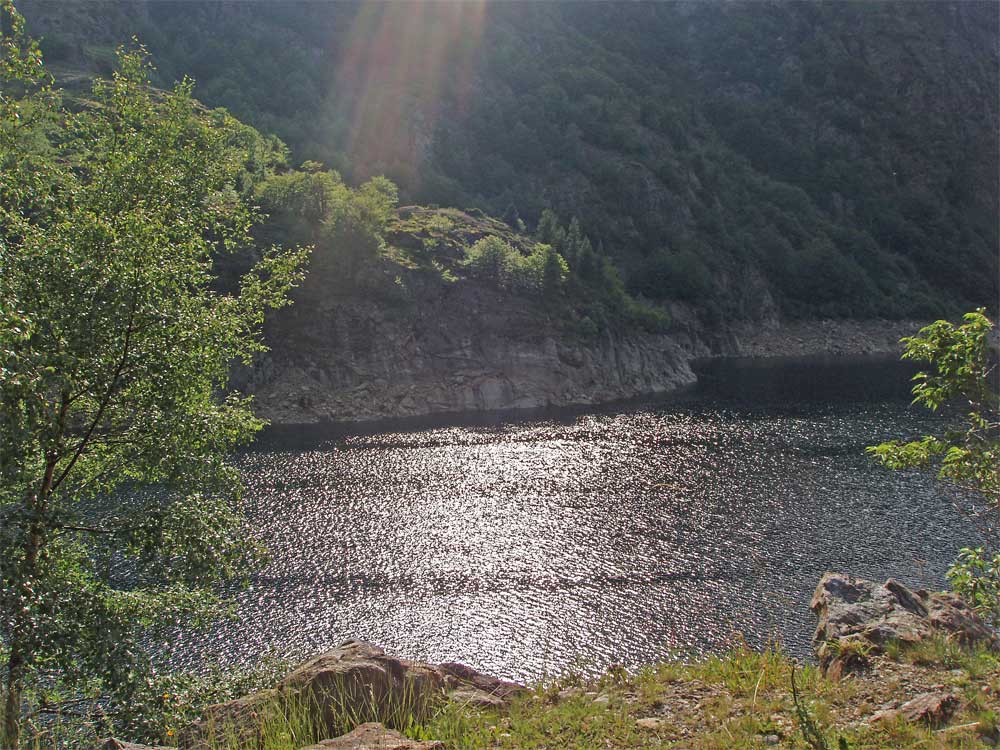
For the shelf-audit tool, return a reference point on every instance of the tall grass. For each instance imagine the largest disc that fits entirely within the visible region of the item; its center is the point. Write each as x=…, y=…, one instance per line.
x=295, y=719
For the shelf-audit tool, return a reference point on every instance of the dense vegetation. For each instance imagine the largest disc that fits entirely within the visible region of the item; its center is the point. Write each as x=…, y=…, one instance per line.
x=845, y=154
x=119, y=507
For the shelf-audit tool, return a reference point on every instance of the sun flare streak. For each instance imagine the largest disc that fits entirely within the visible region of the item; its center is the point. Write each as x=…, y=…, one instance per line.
x=403, y=66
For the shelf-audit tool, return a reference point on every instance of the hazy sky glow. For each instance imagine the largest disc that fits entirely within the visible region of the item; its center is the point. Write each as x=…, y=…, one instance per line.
x=400, y=61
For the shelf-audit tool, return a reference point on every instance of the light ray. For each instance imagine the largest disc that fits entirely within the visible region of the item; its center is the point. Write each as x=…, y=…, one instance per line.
x=404, y=64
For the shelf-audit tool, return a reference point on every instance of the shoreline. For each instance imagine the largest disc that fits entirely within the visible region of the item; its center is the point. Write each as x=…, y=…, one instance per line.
x=897, y=668
x=823, y=337
x=806, y=340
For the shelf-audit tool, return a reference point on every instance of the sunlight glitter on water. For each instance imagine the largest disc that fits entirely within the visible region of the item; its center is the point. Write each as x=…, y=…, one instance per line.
x=531, y=547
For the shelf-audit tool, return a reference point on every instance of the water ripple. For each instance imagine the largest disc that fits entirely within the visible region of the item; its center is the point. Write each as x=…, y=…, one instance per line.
x=532, y=547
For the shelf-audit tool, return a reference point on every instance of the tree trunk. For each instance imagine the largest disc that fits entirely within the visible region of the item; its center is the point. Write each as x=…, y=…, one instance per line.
x=12, y=701
x=17, y=663
x=21, y=635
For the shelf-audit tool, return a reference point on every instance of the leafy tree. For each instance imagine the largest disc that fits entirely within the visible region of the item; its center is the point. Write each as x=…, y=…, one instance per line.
x=493, y=260
x=542, y=272
x=119, y=511
x=550, y=231
x=553, y=269
x=308, y=194
x=967, y=456
x=375, y=204
x=313, y=205
x=354, y=231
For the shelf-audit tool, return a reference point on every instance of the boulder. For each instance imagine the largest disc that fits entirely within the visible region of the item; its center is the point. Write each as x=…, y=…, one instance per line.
x=471, y=696
x=932, y=709
x=652, y=724
x=374, y=736
x=853, y=612
x=356, y=680
x=462, y=676
x=844, y=656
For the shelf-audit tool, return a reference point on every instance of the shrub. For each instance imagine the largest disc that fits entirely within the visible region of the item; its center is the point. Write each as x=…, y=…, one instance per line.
x=968, y=454
x=542, y=272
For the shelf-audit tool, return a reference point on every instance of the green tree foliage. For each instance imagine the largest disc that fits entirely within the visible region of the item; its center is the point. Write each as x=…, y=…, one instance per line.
x=551, y=269
x=302, y=200
x=119, y=512
x=592, y=277
x=362, y=225
x=313, y=205
x=493, y=260
x=549, y=230
x=542, y=272
x=678, y=275
x=964, y=376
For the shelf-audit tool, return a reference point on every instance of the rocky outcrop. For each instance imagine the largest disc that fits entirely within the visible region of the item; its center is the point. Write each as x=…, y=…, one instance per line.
x=859, y=617
x=449, y=348
x=355, y=680
x=374, y=736
x=933, y=709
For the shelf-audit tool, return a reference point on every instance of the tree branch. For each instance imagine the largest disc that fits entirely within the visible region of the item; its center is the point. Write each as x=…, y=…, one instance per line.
x=116, y=375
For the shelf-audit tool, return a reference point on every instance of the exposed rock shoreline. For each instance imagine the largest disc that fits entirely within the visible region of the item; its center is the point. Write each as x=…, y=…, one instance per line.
x=356, y=362
x=830, y=337
x=349, y=691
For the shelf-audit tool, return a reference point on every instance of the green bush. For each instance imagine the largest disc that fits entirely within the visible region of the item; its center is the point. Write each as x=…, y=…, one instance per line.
x=975, y=576
x=314, y=205
x=964, y=374
x=542, y=272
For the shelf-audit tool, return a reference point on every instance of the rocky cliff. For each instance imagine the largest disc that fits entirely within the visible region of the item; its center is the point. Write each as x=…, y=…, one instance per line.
x=466, y=348
x=411, y=332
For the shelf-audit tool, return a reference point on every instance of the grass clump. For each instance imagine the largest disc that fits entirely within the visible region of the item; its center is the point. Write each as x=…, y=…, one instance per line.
x=740, y=699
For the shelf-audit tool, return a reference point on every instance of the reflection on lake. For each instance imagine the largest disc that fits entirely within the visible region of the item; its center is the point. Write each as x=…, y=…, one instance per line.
x=526, y=546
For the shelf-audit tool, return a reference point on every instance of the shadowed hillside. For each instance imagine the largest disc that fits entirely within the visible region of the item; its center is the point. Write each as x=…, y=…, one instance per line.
x=846, y=152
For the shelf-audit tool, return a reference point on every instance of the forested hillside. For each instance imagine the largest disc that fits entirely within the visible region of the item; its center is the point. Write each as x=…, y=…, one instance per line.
x=844, y=153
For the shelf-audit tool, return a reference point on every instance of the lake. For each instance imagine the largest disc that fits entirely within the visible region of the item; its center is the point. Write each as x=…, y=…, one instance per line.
x=531, y=544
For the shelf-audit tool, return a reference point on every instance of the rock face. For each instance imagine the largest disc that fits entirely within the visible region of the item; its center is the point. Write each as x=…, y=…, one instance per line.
x=448, y=348
x=858, y=616
x=355, y=680
x=374, y=736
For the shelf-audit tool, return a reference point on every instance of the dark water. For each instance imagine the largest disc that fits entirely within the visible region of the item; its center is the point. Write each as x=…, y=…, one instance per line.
x=528, y=545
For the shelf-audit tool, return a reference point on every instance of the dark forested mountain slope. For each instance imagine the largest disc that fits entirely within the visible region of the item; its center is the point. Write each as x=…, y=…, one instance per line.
x=846, y=153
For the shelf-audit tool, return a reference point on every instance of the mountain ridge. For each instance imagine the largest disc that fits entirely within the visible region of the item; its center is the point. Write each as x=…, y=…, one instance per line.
x=845, y=153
